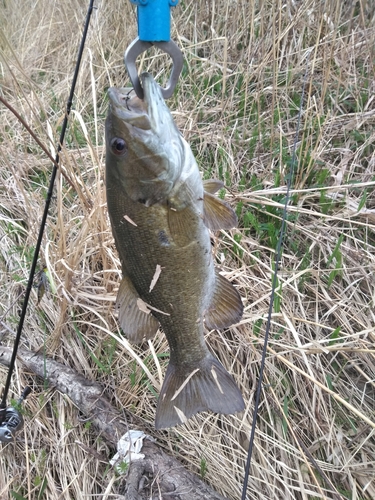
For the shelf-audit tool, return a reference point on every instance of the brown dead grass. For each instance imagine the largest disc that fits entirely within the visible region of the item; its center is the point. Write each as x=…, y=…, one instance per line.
x=236, y=103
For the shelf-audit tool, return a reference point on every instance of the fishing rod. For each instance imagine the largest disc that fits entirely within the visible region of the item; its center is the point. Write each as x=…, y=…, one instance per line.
x=11, y=420
x=279, y=248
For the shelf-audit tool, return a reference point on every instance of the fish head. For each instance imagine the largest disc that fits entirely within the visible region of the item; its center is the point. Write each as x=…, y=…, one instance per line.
x=144, y=149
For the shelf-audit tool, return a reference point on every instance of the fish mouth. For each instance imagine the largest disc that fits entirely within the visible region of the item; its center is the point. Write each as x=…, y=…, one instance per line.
x=129, y=108
x=150, y=113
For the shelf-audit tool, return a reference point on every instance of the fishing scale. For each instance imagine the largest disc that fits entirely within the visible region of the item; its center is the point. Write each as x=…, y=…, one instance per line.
x=154, y=27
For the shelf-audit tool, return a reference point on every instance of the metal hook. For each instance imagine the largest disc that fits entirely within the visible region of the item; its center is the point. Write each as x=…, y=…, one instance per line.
x=137, y=47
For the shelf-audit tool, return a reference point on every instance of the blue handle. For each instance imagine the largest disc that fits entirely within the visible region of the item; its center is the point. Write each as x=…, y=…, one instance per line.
x=154, y=19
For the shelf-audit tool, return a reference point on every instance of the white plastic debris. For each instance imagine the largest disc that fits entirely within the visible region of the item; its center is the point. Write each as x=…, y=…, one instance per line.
x=128, y=449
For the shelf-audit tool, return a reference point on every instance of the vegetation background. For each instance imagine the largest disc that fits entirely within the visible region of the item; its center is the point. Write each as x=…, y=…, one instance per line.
x=237, y=104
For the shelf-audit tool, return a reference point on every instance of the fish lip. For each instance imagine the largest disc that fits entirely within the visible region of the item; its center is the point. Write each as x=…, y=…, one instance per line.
x=149, y=113
x=118, y=97
x=131, y=110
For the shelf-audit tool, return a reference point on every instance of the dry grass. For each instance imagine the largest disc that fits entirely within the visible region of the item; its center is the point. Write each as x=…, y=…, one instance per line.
x=237, y=104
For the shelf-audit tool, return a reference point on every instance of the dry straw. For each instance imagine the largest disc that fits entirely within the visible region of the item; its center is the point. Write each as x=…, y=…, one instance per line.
x=236, y=104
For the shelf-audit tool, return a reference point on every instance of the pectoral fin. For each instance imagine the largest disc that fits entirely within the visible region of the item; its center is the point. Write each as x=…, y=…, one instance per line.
x=217, y=214
x=226, y=307
x=136, y=324
x=180, y=224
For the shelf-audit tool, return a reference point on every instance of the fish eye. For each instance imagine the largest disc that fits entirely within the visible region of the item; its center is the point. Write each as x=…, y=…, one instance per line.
x=118, y=146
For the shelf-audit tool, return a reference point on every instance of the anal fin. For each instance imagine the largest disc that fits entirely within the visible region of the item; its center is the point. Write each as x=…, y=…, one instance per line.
x=217, y=214
x=226, y=306
x=136, y=324
x=187, y=391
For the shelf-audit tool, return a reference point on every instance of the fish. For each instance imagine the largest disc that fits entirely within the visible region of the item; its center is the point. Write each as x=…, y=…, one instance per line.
x=161, y=214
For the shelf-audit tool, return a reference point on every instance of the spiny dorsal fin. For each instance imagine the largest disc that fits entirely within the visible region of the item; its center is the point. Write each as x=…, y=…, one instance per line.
x=226, y=306
x=188, y=390
x=217, y=214
x=212, y=185
x=135, y=323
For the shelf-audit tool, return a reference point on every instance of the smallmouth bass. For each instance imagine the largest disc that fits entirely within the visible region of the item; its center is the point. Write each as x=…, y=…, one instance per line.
x=161, y=213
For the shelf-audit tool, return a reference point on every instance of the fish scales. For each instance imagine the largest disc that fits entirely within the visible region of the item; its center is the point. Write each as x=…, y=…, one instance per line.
x=160, y=213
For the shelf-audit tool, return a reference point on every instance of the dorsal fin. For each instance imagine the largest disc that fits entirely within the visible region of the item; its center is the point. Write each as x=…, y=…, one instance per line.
x=217, y=214
x=212, y=185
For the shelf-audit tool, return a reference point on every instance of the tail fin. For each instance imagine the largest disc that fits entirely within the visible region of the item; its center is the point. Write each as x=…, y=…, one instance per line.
x=187, y=391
